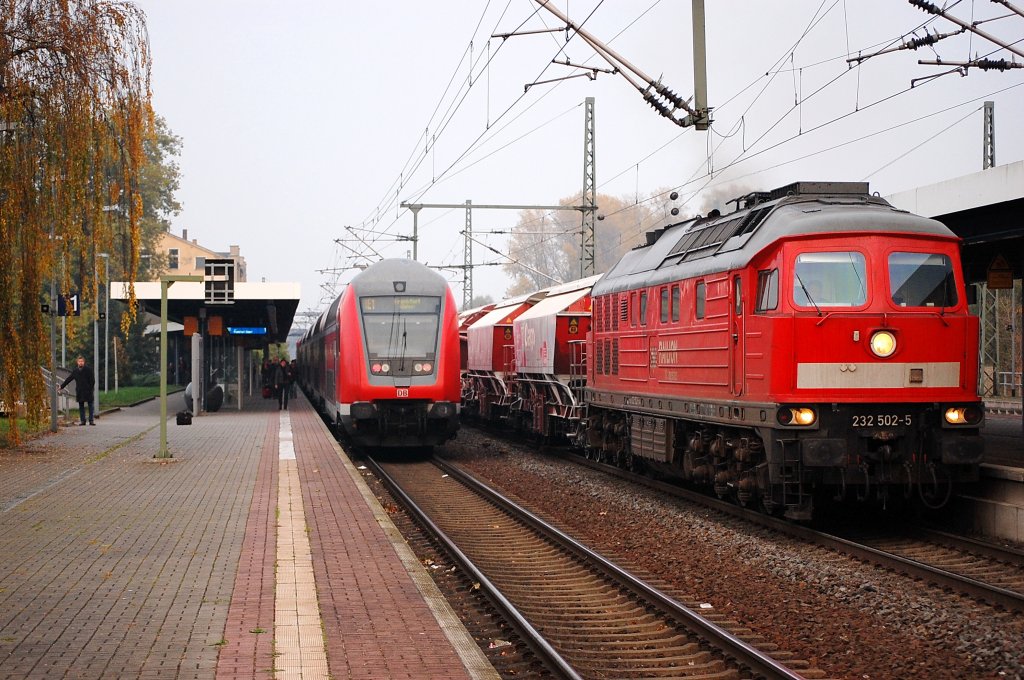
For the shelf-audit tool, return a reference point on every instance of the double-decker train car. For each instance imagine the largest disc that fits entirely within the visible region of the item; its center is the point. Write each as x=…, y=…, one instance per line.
x=815, y=343
x=382, y=363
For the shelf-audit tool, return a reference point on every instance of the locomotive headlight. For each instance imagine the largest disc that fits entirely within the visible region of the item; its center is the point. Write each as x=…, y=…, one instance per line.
x=883, y=344
x=418, y=368
x=801, y=416
x=384, y=368
x=963, y=415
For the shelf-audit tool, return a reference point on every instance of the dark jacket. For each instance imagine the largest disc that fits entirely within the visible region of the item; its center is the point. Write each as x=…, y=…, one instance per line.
x=84, y=382
x=282, y=375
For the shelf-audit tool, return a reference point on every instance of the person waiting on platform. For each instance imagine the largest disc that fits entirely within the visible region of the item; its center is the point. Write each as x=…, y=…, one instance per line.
x=282, y=383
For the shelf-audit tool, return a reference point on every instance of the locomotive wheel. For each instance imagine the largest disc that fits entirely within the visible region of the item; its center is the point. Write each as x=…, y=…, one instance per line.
x=634, y=464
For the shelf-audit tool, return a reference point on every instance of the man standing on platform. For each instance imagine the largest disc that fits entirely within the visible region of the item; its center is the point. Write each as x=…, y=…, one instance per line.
x=84, y=385
x=282, y=382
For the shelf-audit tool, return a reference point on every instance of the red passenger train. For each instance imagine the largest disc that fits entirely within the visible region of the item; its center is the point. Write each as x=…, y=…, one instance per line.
x=814, y=343
x=382, y=363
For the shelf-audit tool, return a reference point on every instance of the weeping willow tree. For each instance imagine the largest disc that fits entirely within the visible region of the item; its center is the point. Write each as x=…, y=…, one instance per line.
x=74, y=113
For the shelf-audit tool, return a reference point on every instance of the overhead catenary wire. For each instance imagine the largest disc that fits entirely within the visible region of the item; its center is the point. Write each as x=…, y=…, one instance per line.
x=459, y=165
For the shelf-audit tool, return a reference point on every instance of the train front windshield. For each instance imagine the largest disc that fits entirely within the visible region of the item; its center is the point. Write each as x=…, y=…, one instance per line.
x=922, y=280
x=398, y=326
x=833, y=279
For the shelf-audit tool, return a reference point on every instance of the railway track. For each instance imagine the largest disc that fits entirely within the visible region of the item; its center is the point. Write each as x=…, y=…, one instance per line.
x=583, y=615
x=983, y=571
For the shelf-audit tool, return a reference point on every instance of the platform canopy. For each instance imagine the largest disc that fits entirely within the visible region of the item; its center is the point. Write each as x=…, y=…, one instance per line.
x=259, y=311
x=985, y=209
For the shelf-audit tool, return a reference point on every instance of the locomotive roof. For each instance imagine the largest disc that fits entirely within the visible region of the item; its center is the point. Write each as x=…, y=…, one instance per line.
x=381, y=279
x=705, y=245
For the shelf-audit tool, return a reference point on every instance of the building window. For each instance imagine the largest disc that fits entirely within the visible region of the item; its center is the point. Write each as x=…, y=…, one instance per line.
x=201, y=263
x=172, y=258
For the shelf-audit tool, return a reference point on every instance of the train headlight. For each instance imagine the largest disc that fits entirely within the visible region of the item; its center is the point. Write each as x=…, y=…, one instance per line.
x=427, y=367
x=883, y=343
x=418, y=368
x=800, y=416
x=384, y=368
x=375, y=368
x=963, y=415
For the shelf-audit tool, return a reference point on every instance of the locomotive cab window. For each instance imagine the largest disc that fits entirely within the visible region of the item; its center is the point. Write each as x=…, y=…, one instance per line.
x=921, y=280
x=664, y=305
x=400, y=326
x=701, y=299
x=643, y=308
x=832, y=279
x=675, y=303
x=767, y=291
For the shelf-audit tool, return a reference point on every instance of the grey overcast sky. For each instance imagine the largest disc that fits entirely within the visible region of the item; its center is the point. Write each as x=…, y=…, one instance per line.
x=301, y=118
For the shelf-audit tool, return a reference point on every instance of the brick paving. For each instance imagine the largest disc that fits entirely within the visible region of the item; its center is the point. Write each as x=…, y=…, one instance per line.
x=113, y=565
x=376, y=621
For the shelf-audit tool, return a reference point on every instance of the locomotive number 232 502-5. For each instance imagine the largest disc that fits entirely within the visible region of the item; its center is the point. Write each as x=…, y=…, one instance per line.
x=881, y=420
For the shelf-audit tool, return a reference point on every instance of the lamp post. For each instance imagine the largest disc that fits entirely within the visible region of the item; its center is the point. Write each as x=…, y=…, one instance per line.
x=165, y=282
x=106, y=326
x=96, y=336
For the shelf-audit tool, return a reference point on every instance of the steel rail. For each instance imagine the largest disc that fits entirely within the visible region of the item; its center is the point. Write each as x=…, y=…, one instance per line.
x=540, y=646
x=987, y=592
x=746, y=655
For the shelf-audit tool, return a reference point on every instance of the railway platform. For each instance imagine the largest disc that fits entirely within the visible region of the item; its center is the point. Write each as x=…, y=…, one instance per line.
x=257, y=551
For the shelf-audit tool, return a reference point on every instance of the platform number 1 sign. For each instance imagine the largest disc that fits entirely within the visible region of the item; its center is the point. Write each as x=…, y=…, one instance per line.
x=70, y=305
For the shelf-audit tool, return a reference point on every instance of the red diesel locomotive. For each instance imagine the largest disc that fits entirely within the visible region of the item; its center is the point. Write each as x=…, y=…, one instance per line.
x=815, y=343
x=382, y=363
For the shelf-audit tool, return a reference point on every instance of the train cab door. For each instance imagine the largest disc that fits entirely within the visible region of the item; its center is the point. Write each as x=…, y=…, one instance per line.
x=737, y=366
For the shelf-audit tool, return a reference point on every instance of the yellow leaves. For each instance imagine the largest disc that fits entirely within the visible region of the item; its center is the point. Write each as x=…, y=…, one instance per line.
x=75, y=106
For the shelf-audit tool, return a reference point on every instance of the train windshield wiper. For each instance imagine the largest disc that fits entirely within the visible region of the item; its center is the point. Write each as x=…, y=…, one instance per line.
x=807, y=293
x=405, y=346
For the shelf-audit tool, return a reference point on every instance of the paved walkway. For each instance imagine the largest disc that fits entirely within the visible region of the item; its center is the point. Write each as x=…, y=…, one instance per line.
x=113, y=565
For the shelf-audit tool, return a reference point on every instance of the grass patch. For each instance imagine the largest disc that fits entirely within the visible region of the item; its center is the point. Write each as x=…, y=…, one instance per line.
x=126, y=396
x=6, y=423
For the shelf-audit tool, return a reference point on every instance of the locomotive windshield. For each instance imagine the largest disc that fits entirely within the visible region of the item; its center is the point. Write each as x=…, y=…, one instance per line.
x=398, y=326
x=836, y=279
x=921, y=280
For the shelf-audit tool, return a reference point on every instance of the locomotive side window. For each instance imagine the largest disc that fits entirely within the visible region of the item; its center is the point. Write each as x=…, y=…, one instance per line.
x=921, y=280
x=767, y=290
x=643, y=308
x=675, y=303
x=664, y=305
x=702, y=298
x=633, y=309
x=834, y=279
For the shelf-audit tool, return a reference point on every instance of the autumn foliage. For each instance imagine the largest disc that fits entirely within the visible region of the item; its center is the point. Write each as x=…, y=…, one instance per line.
x=74, y=113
